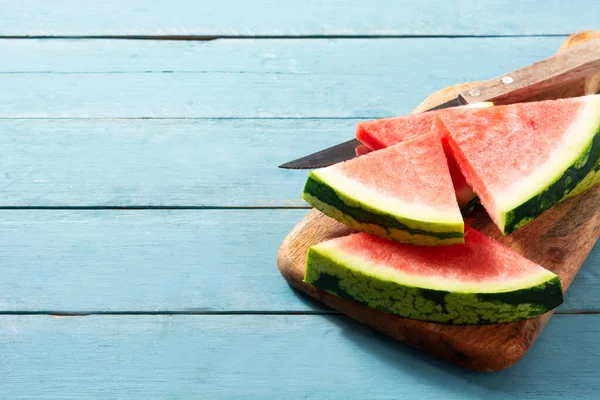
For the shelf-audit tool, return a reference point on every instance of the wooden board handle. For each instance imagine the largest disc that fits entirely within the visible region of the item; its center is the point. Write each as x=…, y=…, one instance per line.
x=587, y=85
x=565, y=67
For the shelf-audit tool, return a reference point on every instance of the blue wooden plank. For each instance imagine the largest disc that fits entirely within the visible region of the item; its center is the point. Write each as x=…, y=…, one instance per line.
x=282, y=56
x=330, y=87
x=166, y=261
x=268, y=357
x=313, y=17
x=181, y=163
x=145, y=261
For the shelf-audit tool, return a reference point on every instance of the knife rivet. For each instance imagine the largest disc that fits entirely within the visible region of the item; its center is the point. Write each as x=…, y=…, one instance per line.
x=507, y=80
x=475, y=92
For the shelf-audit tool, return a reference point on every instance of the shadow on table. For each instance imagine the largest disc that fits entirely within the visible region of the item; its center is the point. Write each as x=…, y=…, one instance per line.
x=563, y=362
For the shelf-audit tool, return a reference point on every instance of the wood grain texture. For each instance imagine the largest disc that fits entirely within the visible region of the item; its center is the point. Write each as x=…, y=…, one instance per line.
x=294, y=18
x=289, y=79
x=591, y=83
x=252, y=357
x=157, y=261
x=560, y=240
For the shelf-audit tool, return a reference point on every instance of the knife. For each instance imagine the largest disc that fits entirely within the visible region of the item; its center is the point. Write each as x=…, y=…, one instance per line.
x=516, y=86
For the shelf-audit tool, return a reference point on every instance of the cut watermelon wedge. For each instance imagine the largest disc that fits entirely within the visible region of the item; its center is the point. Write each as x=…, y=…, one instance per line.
x=521, y=159
x=479, y=282
x=381, y=133
x=403, y=192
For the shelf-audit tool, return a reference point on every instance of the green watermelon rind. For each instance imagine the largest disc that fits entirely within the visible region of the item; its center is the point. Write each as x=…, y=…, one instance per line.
x=338, y=205
x=590, y=181
x=346, y=278
x=568, y=184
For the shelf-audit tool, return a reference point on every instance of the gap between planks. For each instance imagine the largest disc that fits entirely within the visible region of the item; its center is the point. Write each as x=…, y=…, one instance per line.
x=232, y=313
x=181, y=118
x=127, y=208
x=236, y=37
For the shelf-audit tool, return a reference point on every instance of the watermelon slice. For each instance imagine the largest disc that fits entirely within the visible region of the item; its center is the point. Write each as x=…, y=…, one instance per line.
x=521, y=159
x=479, y=282
x=403, y=192
x=381, y=133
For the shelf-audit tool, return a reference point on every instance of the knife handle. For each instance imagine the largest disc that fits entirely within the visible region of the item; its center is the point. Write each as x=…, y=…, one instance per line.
x=524, y=83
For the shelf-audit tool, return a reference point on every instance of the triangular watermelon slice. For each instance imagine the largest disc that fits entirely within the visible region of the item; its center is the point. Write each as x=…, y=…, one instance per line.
x=403, y=192
x=479, y=282
x=523, y=158
x=381, y=133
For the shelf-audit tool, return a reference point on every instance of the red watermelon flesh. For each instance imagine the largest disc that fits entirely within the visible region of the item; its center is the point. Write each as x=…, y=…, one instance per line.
x=480, y=259
x=379, y=134
x=512, y=155
x=392, y=171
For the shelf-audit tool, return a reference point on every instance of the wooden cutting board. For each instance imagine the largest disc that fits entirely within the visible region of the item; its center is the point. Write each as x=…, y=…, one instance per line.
x=559, y=240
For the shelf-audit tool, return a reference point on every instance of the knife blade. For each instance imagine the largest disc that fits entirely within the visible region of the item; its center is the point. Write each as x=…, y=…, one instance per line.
x=343, y=151
x=518, y=85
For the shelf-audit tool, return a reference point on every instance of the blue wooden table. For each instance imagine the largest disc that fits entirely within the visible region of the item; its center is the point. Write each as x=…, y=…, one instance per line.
x=141, y=206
